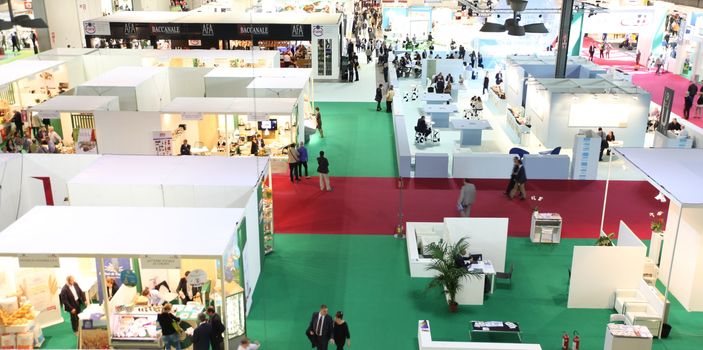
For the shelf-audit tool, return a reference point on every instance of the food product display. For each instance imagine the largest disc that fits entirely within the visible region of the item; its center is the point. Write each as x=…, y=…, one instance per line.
x=135, y=326
x=22, y=316
x=235, y=308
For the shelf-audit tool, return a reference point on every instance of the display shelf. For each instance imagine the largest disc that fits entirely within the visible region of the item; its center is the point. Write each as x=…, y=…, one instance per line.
x=545, y=227
x=266, y=218
x=518, y=124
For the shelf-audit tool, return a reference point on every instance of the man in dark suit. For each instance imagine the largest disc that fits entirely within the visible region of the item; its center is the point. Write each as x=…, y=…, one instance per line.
x=72, y=297
x=216, y=339
x=202, y=334
x=320, y=329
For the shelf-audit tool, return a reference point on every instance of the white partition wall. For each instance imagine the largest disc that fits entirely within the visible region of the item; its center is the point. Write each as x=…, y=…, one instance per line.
x=11, y=170
x=126, y=132
x=139, y=88
x=596, y=272
x=486, y=236
x=687, y=272
x=627, y=238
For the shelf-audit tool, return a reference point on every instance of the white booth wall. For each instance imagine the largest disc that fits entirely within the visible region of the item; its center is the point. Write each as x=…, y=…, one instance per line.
x=557, y=117
x=331, y=34
x=139, y=89
x=65, y=19
x=126, y=132
x=687, y=273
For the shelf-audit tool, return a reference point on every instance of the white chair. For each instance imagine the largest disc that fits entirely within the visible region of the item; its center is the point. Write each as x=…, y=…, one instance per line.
x=642, y=314
x=620, y=318
x=623, y=296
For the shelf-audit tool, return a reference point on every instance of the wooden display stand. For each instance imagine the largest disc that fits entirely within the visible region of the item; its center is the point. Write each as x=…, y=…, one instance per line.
x=545, y=227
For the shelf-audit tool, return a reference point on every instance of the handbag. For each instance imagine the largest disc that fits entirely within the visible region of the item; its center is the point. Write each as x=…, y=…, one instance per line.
x=177, y=327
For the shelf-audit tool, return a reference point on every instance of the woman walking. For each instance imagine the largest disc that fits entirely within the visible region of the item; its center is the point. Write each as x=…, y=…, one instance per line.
x=520, y=180
x=323, y=168
x=340, y=332
x=169, y=335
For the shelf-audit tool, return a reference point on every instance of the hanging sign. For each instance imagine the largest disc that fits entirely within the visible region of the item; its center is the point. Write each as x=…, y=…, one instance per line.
x=160, y=262
x=48, y=114
x=39, y=260
x=191, y=116
x=197, y=277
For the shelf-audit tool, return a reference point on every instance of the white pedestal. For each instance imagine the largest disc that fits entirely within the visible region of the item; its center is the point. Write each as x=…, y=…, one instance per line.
x=471, y=292
x=655, y=246
x=616, y=342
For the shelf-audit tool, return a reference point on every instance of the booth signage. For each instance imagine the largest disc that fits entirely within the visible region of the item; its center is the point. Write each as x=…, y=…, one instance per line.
x=208, y=30
x=191, y=116
x=130, y=28
x=253, y=29
x=297, y=31
x=166, y=29
x=318, y=30
x=197, y=277
x=39, y=260
x=49, y=114
x=160, y=262
x=665, y=115
x=128, y=278
x=96, y=28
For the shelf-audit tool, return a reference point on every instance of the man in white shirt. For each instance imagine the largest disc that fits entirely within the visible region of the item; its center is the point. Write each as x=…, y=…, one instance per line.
x=247, y=345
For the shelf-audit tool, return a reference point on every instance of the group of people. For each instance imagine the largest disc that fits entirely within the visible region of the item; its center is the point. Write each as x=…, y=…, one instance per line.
x=441, y=84
x=603, y=49
x=693, y=94
x=16, y=43
x=389, y=95
x=298, y=160
x=322, y=330
x=20, y=139
x=679, y=129
x=605, y=140
x=518, y=180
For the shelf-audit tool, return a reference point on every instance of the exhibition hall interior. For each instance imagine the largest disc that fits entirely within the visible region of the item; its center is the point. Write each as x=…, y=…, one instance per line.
x=351, y=174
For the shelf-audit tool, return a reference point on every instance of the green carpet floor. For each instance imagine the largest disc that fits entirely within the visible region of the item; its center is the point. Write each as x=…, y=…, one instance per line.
x=358, y=141
x=60, y=336
x=367, y=277
x=10, y=56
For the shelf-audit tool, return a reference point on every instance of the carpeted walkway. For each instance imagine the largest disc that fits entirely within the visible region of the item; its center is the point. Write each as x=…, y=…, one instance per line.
x=358, y=140
x=655, y=85
x=367, y=277
x=371, y=205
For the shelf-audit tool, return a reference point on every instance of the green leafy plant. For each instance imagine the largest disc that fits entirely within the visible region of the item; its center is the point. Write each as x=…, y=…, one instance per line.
x=657, y=224
x=605, y=241
x=448, y=276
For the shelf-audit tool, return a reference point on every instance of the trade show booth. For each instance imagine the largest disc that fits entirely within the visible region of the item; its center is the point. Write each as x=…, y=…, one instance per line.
x=312, y=39
x=671, y=171
x=227, y=126
x=138, y=258
x=488, y=237
x=558, y=108
x=72, y=117
x=25, y=83
x=260, y=82
x=192, y=182
x=138, y=88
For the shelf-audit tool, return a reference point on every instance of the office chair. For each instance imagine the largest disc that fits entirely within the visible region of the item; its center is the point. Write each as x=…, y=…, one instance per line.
x=518, y=152
x=506, y=275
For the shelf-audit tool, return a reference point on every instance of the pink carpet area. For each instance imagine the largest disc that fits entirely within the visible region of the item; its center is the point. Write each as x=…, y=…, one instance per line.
x=363, y=205
x=655, y=85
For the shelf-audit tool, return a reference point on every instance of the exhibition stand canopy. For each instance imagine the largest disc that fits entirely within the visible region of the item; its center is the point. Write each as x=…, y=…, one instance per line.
x=80, y=104
x=21, y=69
x=151, y=228
x=675, y=172
x=123, y=77
x=231, y=105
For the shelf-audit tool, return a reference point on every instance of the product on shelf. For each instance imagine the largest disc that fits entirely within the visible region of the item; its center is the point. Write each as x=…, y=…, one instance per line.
x=22, y=316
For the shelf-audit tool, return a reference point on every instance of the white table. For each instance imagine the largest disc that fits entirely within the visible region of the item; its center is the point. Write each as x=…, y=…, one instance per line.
x=440, y=113
x=626, y=337
x=433, y=98
x=487, y=268
x=471, y=130
x=425, y=342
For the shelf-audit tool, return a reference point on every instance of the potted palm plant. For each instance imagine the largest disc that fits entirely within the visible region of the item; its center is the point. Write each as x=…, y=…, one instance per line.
x=448, y=274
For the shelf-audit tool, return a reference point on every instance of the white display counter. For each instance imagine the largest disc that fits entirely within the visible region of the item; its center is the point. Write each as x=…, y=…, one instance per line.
x=671, y=140
x=425, y=342
x=625, y=337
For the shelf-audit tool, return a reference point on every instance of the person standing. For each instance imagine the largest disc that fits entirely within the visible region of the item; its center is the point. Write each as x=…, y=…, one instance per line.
x=355, y=66
x=379, y=97
x=520, y=181
x=72, y=298
x=34, y=43
x=320, y=328
x=692, y=89
x=486, y=81
x=216, y=338
x=513, y=174
x=293, y=158
x=202, y=334
x=19, y=123
x=699, y=104
x=389, y=99
x=318, y=120
x=658, y=63
x=185, y=148
x=467, y=196
x=687, y=104
x=110, y=283
x=169, y=335
x=340, y=332
x=603, y=143
x=638, y=56
x=323, y=169
x=303, y=160
x=591, y=52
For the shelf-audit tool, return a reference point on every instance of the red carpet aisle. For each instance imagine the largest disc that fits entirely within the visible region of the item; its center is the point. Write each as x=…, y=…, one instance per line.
x=655, y=85
x=363, y=205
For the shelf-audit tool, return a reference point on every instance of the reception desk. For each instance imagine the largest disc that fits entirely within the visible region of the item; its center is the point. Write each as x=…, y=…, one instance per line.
x=433, y=98
x=440, y=114
x=471, y=131
x=425, y=342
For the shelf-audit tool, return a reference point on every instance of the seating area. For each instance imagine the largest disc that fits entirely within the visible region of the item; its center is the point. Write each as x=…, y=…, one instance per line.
x=643, y=307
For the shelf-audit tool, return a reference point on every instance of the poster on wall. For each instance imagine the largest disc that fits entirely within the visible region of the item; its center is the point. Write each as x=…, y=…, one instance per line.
x=85, y=141
x=39, y=286
x=163, y=142
x=665, y=115
x=113, y=269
